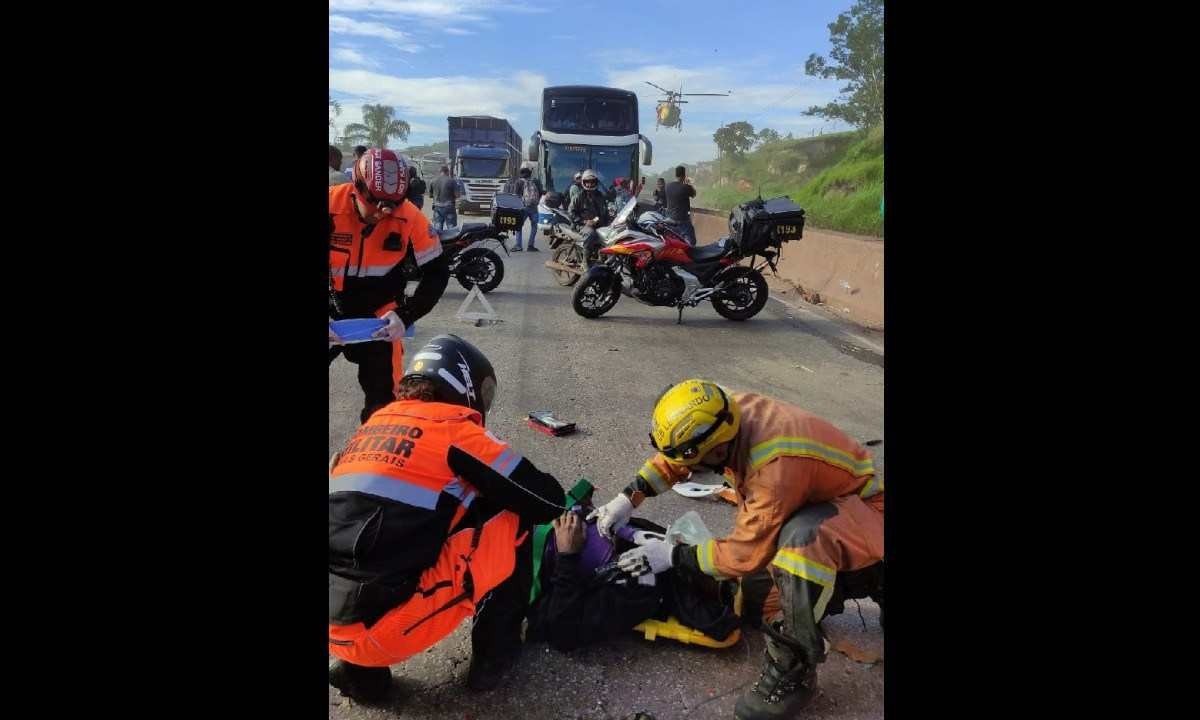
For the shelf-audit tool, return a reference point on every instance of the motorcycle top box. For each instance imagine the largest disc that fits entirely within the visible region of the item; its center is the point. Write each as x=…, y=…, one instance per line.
x=757, y=224
x=508, y=212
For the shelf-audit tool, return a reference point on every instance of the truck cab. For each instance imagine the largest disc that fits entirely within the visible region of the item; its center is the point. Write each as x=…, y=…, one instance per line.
x=483, y=171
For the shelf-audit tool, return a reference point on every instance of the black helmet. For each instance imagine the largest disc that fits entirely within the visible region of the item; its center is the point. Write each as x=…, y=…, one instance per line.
x=526, y=172
x=459, y=371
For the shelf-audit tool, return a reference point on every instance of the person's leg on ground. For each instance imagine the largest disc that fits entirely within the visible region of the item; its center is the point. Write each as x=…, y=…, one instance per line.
x=496, y=632
x=454, y=591
x=591, y=245
x=531, y=215
x=816, y=544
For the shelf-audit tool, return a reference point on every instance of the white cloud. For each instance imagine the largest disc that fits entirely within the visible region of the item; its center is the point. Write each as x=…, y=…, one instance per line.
x=412, y=8
x=461, y=10
x=342, y=25
x=458, y=31
x=352, y=56
x=442, y=96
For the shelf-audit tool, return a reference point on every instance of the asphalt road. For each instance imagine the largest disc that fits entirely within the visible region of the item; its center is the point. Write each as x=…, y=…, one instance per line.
x=604, y=374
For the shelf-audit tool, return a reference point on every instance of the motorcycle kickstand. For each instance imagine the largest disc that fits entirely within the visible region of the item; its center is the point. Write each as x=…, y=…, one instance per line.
x=680, y=320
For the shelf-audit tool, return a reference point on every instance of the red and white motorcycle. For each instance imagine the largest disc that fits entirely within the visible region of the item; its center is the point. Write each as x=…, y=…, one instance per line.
x=653, y=265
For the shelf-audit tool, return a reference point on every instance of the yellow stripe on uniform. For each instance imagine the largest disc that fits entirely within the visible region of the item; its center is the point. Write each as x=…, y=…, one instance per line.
x=823, y=575
x=765, y=452
x=704, y=558
x=873, y=487
x=650, y=474
x=810, y=570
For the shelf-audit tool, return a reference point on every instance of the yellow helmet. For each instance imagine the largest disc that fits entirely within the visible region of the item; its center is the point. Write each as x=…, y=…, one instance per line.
x=692, y=418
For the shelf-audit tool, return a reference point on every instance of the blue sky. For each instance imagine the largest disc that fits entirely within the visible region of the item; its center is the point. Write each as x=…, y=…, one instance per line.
x=433, y=58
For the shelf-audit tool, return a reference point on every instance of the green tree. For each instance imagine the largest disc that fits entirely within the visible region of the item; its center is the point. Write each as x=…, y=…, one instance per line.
x=857, y=57
x=735, y=138
x=379, y=123
x=766, y=136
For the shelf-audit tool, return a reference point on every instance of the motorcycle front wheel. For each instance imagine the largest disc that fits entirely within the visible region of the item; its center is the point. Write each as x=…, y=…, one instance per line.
x=482, y=267
x=567, y=254
x=743, y=294
x=591, y=299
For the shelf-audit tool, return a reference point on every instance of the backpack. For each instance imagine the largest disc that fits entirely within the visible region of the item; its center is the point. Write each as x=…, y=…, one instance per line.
x=530, y=195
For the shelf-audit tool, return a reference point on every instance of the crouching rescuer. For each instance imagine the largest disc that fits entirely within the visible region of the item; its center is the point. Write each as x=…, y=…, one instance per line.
x=810, y=512
x=429, y=518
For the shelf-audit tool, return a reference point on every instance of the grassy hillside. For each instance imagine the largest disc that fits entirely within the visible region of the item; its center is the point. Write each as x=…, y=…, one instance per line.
x=837, y=179
x=418, y=150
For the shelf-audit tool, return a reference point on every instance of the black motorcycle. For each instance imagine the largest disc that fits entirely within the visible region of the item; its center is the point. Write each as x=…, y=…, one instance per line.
x=473, y=264
x=472, y=261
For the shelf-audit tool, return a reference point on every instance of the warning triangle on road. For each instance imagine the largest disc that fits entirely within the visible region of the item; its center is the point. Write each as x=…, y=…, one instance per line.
x=462, y=313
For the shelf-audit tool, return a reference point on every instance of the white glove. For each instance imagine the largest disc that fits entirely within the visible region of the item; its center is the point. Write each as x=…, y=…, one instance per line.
x=394, y=330
x=612, y=516
x=333, y=338
x=652, y=557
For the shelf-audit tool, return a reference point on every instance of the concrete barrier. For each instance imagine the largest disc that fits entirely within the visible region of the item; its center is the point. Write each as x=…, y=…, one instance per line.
x=843, y=271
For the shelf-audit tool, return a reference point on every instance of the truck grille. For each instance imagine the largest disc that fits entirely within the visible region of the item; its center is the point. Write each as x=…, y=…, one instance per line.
x=482, y=191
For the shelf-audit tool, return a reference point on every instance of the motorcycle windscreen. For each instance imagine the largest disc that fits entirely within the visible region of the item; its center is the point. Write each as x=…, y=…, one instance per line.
x=623, y=216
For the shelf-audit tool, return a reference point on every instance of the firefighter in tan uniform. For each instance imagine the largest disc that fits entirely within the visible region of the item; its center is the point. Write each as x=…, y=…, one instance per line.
x=810, y=512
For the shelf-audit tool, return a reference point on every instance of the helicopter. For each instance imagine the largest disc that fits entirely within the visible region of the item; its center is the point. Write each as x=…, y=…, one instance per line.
x=668, y=114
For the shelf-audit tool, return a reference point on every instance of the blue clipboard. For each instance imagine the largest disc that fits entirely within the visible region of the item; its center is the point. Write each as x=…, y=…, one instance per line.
x=358, y=330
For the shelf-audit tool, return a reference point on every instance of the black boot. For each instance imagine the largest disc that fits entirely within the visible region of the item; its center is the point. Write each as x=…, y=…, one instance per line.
x=785, y=685
x=366, y=685
x=487, y=672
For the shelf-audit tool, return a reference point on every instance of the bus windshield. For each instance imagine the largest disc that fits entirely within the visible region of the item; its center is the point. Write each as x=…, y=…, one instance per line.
x=562, y=162
x=610, y=163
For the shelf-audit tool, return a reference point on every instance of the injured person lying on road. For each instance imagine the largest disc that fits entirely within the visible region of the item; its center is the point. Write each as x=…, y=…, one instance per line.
x=581, y=596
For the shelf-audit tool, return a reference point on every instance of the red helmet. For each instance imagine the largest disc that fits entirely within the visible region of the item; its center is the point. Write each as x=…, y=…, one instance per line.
x=381, y=175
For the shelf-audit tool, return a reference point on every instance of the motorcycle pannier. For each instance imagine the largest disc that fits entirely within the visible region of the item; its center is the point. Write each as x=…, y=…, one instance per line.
x=508, y=212
x=758, y=224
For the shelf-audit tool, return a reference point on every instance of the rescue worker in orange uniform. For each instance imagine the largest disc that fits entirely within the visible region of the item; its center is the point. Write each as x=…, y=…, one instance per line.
x=429, y=519
x=374, y=233
x=810, y=511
